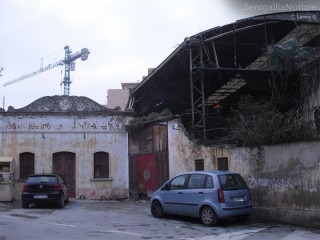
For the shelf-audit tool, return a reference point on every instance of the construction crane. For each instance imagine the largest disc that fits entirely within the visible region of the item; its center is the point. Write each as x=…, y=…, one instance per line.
x=69, y=65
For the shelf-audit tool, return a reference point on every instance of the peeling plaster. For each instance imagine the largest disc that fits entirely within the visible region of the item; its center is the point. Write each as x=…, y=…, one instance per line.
x=283, y=178
x=44, y=135
x=183, y=152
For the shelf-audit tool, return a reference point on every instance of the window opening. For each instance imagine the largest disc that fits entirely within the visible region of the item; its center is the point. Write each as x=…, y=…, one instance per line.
x=223, y=164
x=101, y=165
x=199, y=165
x=26, y=164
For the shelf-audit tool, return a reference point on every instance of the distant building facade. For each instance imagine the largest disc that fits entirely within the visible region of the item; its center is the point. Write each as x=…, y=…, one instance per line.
x=119, y=97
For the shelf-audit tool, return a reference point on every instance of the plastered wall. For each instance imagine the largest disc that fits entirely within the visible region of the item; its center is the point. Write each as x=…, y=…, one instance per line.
x=183, y=152
x=284, y=179
x=44, y=135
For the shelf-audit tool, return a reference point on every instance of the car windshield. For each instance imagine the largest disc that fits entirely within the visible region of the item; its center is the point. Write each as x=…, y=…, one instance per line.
x=232, y=182
x=42, y=179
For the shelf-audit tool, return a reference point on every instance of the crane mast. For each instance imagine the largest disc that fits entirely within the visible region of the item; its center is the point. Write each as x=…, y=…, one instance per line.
x=69, y=65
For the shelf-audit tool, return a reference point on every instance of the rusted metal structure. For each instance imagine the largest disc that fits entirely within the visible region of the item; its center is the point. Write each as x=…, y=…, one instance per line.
x=210, y=71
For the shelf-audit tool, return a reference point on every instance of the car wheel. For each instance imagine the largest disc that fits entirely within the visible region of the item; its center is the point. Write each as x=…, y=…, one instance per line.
x=25, y=205
x=208, y=216
x=157, y=210
x=61, y=202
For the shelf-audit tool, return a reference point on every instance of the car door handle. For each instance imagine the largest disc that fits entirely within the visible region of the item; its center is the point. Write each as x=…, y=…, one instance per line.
x=200, y=192
x=179, y=192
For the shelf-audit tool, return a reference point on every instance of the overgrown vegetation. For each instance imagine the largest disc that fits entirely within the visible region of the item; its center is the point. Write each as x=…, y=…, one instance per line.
x=286, y=114
x=256, y=123
x=138, y=122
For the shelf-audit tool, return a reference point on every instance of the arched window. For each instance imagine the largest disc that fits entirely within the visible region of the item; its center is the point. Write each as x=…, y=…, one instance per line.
x=101, y=165
x=26, y=164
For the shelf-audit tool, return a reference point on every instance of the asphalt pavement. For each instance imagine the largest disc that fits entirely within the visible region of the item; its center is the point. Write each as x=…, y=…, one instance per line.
x=129, y=219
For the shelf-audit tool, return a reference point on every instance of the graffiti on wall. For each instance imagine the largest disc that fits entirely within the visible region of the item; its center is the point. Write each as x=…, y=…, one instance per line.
x=304, y=183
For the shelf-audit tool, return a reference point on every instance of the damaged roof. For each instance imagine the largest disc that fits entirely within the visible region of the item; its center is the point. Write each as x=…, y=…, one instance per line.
x=218, y=65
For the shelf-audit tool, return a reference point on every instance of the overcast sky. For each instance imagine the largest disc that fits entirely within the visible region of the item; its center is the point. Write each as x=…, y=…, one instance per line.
x=125, y=38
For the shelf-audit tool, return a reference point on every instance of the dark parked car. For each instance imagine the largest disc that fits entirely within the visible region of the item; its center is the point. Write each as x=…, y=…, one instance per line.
x=209, y=196
x=45, y=188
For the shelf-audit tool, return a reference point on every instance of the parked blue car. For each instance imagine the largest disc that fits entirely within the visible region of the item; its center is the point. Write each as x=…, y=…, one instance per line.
x=210, y=196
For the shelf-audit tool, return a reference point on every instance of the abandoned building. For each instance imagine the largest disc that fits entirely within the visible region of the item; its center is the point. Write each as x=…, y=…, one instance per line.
x=243, y=97
x=76, y=137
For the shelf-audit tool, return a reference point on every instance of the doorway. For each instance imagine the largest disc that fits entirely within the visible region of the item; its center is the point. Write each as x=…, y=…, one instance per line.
x=64, y=164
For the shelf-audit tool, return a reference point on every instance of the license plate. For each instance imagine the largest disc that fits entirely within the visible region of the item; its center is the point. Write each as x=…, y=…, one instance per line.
x=40, y=196
x=238, y=199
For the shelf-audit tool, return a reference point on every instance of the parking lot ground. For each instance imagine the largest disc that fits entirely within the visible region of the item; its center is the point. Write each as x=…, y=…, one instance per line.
x=130, y=219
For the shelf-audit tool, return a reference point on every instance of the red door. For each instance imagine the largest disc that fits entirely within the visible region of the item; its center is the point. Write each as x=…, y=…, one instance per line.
x=147, y=173
x=64, y=164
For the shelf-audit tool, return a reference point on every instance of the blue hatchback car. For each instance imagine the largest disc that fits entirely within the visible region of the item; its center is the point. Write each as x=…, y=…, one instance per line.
x=210, y=196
